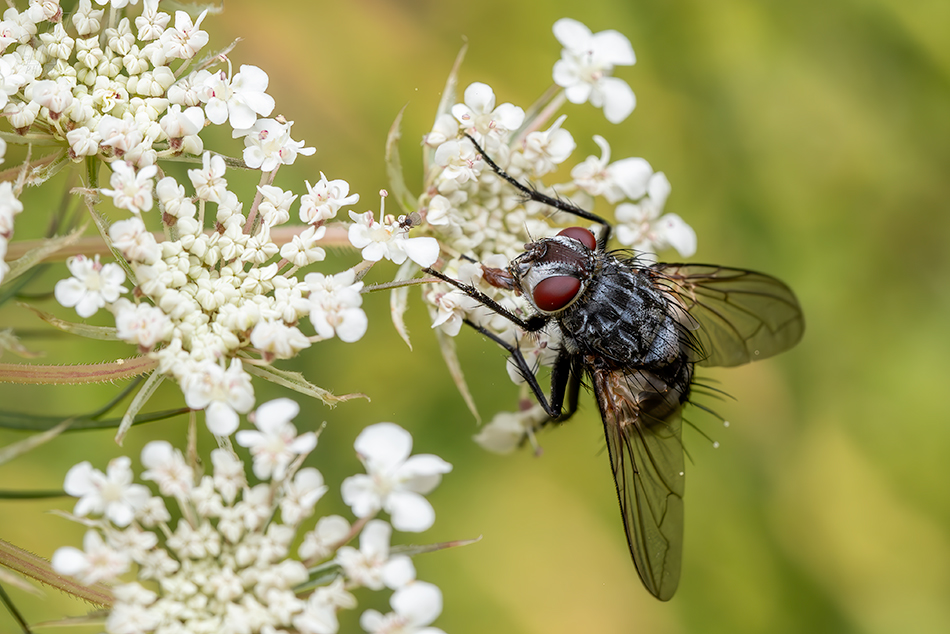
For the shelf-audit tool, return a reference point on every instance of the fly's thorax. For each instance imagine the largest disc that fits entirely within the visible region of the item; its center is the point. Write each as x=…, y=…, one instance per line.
x=553, y=272
x=623, y=318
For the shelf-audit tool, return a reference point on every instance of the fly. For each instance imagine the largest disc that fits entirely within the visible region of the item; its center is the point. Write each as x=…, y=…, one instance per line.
x=636, y=332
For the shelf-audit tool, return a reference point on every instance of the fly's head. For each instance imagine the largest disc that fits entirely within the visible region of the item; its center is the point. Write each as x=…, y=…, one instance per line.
x=553, y=272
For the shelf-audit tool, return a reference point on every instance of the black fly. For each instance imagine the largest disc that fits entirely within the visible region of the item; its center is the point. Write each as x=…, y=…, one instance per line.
x=636, y=332
x=410, y=220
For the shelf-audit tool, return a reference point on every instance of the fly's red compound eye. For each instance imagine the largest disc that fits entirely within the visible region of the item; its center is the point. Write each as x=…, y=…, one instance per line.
x=556, y=292
x=580, y=234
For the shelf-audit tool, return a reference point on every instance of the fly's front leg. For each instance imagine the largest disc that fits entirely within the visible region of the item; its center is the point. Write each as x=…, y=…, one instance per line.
x=533, y=323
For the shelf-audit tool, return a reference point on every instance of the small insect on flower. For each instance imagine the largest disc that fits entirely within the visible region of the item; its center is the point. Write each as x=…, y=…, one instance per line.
x=636, y=331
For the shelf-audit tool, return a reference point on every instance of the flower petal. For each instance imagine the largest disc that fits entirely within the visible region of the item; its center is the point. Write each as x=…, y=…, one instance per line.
x=422, y=473
x=572, y=34
x=360, y=495
x=613, y=48
x=619, y=100
x=419, y=603
x=398, y=572
x=221, y=419
x=385, y=445
x=424, y=251
x=409, y=512
x=678, y=234
x=480, y=98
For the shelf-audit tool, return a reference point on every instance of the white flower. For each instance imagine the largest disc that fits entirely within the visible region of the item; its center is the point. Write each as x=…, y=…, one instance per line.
x=20, y=115
x=178, y=123
x=168, y=469
x=86, y=19
x=323, y=200
x=175, y=203
x=275, y=205
x=141, y=324
x=390, y=240
x=130, y=189
x=96, y=562
x=335, y=302
x=507, y=430
x=641, y=226
x=302, y=248
x=459, y=160
x=319, y=543
x=446, y=127
x=277, y=340
x=55, y=95
x=209, y=181
x=92, y=286
x=545, y=150
x=186, y=38
x=414, y=608
x=41, y=10
x=121, y=134
x=586, y=63
x=301, y=495
x=187, y=91
x=268, y=145
x=131, y=613
x=440, y=212
x=276, y=443
x=17, y=28
x=394, y=482
x=10, y=81
x=319, y=615
x=111, y=494
x=452, y=308
x=83, y=142
x=371, y=566
x=238, y=100
x=228, y=474
x=152, y=23
x=479, y=116
x=627, y=177
x=221, y=393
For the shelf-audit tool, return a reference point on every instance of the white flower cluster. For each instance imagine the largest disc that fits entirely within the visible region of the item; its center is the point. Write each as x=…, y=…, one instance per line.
x=478, y=217
x=119, y=86
x=123, y=87
x=225, y=564
x=205, y=296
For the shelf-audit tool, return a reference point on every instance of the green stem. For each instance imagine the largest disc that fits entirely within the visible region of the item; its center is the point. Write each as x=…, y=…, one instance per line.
x=8, y=602
x=37, y=568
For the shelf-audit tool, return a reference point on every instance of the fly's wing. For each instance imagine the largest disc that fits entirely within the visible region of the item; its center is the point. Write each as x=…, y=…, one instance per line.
x=646, y=455
x=738, y=316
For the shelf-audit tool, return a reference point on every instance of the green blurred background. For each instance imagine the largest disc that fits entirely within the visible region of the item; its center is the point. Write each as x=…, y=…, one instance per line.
x=807, y=139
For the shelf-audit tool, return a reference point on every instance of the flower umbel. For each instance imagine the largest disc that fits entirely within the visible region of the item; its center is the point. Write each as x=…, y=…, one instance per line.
x=225, y=564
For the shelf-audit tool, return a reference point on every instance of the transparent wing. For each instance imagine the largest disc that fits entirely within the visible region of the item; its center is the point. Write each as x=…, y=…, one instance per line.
x=646, y=455
x=742, y=316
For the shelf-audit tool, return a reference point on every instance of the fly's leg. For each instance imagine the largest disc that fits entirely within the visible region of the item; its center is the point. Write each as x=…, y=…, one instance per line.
x=565, y=383
x=532, y=194
x=552, y=408
x=533, y=323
